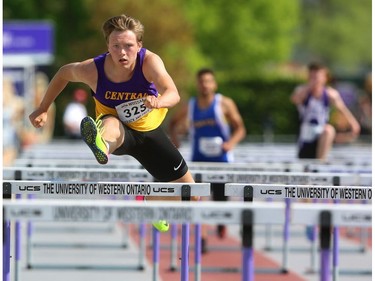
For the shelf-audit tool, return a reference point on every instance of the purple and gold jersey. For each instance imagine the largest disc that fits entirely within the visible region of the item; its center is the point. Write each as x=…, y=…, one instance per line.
x=125, y=100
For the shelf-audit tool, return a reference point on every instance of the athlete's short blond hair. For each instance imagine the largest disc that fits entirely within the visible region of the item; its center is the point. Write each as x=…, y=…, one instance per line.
x=123, y=23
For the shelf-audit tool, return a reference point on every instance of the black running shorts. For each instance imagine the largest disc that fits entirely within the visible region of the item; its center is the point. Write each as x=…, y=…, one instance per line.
x=157, y=154
x=308, y=150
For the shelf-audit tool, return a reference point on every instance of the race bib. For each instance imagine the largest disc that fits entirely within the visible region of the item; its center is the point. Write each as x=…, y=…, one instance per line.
x=211, y=146
x=131, y=111
x=310, y=132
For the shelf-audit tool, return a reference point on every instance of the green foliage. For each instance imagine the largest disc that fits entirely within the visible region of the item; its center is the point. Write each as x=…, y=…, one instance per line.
x=243, y=35
x=263, y=102
x=337, y=32
x=241, y=40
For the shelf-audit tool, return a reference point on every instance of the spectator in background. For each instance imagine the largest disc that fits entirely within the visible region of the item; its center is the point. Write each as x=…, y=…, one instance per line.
x=74, y=112
x=13, y=116
x=215, y=126
x=365, y=107
x=314, y=101
x=30, y=135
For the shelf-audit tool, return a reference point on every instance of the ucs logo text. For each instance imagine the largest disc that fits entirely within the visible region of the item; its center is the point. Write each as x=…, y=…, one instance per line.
x=29, y=188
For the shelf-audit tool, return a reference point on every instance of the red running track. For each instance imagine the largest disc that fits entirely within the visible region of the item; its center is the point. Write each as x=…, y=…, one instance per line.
x=215, y=258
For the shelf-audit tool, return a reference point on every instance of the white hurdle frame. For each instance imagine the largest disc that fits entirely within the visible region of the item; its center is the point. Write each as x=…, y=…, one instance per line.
x=296, y=178
x=228, y=175
x=196, y=212
x=289, y=192
x=299, y=165
x=183, y=190
x=305, y=178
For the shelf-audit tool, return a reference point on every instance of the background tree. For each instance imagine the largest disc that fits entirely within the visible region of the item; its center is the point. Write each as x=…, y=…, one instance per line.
x=247, y=43
x=337, y=33
x=240, y=37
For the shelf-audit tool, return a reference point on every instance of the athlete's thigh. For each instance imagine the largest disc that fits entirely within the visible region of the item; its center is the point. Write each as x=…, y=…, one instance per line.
x=113, y=131
x=160, y=157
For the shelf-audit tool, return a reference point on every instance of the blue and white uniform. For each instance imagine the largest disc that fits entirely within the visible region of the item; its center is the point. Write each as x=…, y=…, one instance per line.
x=314, y=115
x=208, y=130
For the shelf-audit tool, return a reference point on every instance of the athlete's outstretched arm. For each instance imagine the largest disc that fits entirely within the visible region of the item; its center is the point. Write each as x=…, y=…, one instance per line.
x=299, y=95
x=154, y=71
x=72, y=72
x=339, y=104
x=236, y=123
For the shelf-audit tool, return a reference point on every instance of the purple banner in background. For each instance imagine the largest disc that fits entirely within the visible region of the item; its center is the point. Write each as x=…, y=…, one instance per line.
x=28, y=37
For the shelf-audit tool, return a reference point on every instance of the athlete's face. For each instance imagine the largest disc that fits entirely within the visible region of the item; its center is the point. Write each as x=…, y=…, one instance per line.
x=206, y=84
x=318, y=78
x=123, y=47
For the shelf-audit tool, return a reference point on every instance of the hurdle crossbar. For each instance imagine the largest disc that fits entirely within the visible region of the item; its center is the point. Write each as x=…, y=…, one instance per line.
x=289, y=192
x=78, y=173
x=197, y=212
x=53, y=188
x=286, y=191
x=180, y=212
x=228, y=176
x=281, y=166
x=62, y=188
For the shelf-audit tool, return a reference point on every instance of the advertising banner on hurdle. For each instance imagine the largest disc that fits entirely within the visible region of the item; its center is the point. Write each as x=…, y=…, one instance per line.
x=229, y=176
x=104, y=188
x=181, y=212
x=139, y=211
x=77, y=174
x=294, y=178
x=356, y=215
x=301, y=191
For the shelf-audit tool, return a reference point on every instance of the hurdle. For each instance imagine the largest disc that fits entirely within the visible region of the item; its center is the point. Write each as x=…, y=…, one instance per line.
x=297, y=178
x=68, y=162
x=305, y=178
x=82, y=174
x=244, y=152
x=76, y=173
x=285, y=166
x=289, y=192
x=256, y=152
x=284, y=151
x=39, y=173
x=92, y=189
x=196, y=212
x=349, y=179
x=266, y=191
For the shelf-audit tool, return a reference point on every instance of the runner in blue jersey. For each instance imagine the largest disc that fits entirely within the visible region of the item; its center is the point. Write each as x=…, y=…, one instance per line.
x=209, y=129
x=215, y=127
x=132, y=91
x=314, y=101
